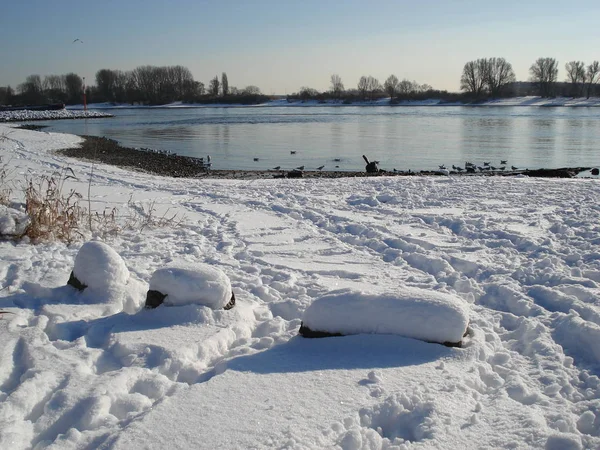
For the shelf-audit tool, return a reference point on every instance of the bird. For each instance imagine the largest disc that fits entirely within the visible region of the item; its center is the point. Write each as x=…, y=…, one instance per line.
x=502, y=168
x=208, y=158
x=481, y=168
x=503, y=162
x=442, y=167
x=337, y=159
x=77, y=40
x=454, y=167
x=486, y=164
x=320, y=167
x=255, y=159
x=460, y=169
x=300, y=168
x=293, y=152
x=276, y=167
x=514, y=168
x=492, y=167
x=337, y=167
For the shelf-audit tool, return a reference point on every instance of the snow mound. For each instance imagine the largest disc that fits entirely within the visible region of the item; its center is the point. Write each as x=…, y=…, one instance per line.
x=98, y=266
x=415, y=313
x=12, y=222
x=198, y=284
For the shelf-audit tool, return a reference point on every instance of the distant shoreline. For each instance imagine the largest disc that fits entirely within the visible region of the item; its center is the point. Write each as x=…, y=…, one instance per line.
x=570, y=102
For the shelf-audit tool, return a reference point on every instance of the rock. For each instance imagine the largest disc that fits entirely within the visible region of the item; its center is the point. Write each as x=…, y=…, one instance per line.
x=595, y=171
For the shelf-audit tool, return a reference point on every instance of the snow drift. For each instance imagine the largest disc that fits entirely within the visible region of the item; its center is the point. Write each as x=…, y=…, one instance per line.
x=426, y=315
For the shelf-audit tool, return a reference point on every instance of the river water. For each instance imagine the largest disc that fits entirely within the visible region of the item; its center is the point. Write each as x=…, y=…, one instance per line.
x=416, y=138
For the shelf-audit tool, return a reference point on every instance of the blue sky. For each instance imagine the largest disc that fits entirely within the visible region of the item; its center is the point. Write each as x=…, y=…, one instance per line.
x=283, y=45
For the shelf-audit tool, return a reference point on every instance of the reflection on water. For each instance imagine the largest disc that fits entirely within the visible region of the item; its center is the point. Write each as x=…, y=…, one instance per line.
x=400, y=137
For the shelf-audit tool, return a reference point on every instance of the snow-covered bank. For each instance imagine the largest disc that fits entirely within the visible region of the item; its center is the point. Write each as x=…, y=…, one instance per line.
x=25, y=114
x=514, y=101
x=94, y=370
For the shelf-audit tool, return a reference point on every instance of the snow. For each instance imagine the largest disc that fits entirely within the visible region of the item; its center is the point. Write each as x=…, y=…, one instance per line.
x=199, y=284
x=25, y=114
x=98, y=266
x=95, y=369
x=416, y=313
x=12, y=221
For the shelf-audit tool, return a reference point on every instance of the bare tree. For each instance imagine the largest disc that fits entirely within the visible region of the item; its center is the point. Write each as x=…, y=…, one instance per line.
x=473, y=79
x=405, y=88
x=391, y=86
x=592, y=76
x=224, y=84
x=337, y=87
x=373, y=86
x=363, y=87
x=213, y=86
x=544, y=72
x=251, y=90
x=576, y=75
x=498, y=74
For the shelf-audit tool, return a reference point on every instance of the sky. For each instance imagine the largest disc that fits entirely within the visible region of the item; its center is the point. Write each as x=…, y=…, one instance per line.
x=281, y=46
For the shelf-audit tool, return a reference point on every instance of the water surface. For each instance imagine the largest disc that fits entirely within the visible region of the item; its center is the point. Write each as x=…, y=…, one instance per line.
x=417, y=138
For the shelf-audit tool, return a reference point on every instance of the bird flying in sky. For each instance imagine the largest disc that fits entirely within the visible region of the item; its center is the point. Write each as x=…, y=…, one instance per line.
x=77, y=40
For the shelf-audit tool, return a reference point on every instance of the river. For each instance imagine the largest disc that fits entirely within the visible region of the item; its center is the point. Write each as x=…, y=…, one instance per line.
x=416, y=138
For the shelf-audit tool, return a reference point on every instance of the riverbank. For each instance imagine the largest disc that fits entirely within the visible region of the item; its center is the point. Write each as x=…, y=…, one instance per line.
x=109, y=151
x=61, y=114
x=283, y=102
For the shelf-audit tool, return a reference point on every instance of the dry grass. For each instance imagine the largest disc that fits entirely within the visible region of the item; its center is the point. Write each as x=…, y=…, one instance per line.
x=144, y=216
x=53, y=213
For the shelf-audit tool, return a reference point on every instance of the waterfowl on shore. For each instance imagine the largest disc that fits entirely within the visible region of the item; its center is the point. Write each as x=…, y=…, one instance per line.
x=300, y=168
x=320, y=167
x=442, y=167
x=514, y=168
x=493, y=168
x=276, y=167
x=486, y=164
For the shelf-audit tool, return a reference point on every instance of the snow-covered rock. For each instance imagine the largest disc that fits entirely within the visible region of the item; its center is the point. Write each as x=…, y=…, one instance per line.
x=411, y=312
x=13, y=222
x=200, y=284
x=98, y=266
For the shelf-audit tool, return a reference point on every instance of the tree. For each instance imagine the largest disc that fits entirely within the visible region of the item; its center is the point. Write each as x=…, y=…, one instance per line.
x=592, y=76
x=6, y=95
x=576, y=75
x=74, y=85
x=498, y=74
x=544, y=73
x=213, y=86
x=373, y=86
x=473, y=79
x=391, y=86
x=251, y=90
x=105, y=82
x=224, y=84
x=306, y=93
x=337, y=87
x=363, y=87
x=32, y=91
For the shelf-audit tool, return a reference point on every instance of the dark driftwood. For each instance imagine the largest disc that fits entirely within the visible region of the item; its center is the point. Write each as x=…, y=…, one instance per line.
x=155, y=298
x=308, y=333
x=73, y=281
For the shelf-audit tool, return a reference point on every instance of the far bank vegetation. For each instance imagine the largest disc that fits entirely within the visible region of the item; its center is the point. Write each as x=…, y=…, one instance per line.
x=481, y=79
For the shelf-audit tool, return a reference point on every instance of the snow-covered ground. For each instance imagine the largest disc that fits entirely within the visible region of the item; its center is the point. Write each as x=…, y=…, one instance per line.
x=25, y=114
x=514, y=101
x=93, y=369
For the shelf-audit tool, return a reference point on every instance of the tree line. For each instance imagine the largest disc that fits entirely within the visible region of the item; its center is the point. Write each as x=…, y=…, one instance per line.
x=482, y=78
x=149, y=85
x=494, y=77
